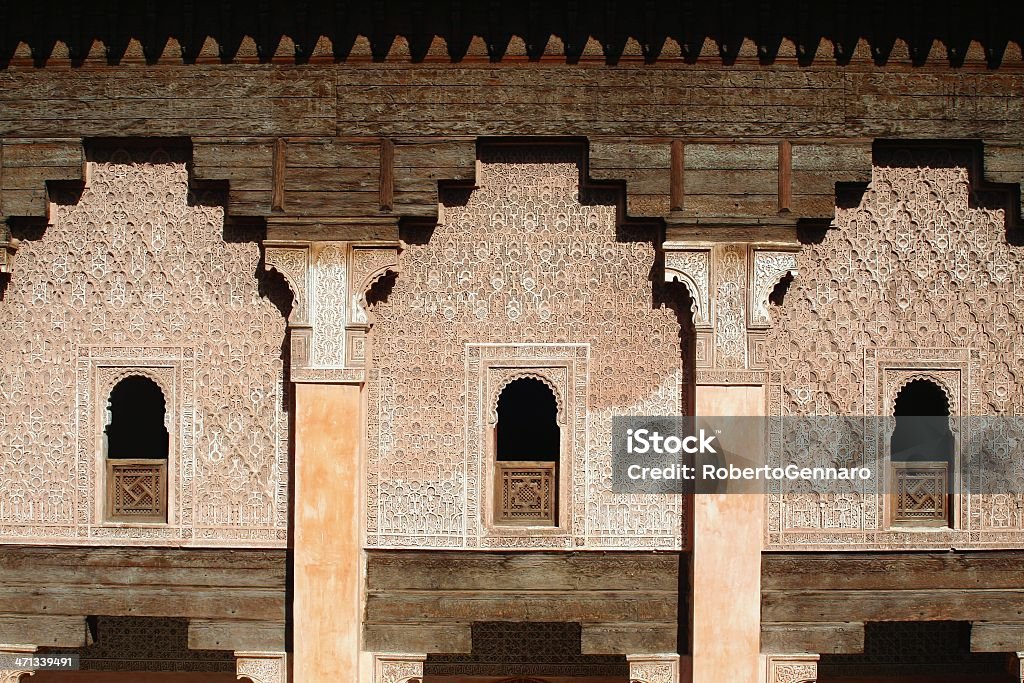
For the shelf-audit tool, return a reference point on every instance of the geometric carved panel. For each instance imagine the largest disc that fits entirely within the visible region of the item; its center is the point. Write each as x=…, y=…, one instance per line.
x=138, y=276
x=528, y=258
x=917, y=281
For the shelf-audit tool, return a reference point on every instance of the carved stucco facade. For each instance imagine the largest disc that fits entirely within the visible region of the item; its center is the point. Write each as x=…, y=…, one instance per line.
x=526, y=274
x=918, y=281
x=138, y=277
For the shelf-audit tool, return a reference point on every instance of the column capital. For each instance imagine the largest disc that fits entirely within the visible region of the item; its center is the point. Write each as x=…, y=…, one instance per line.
x=653, y=668
x=9, y=651
x=398, y=668
x=262, y=667
x=793, y=668
x=329, y=280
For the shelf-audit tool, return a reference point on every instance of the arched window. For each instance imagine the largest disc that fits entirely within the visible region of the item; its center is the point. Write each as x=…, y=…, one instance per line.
x=136, y=452
x=921, y=451
x=527, y=446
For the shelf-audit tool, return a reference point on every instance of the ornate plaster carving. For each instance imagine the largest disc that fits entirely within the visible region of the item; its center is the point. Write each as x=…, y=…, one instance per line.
x=291, y=260
x=918, y=281
x=398, y=668
x=135, y=276
x=15, y=675
x=768, y=268
x=262, y=667
x=799, y=668
x=525, y=266
x=1017, y=667
x=659, y=668
x=692, y=267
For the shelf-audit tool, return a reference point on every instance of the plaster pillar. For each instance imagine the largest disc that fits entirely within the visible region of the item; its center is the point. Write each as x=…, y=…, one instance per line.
x=726, y=559
x=729, y=274
x=1017, y=666
x=327, y=607
x=9, y=673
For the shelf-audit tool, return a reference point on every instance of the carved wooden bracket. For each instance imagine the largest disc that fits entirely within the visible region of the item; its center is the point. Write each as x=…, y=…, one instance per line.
x=655, y=668
x=262, y=667
x=9, y=652
x=730, y=283
x=398, y=668
x=330, y=317
x=798, y=668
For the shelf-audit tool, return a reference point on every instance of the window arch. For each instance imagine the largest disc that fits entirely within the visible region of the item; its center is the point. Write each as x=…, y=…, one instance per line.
x=527, y=426
x=136, y=451
x=527, y=449
x=921, y=451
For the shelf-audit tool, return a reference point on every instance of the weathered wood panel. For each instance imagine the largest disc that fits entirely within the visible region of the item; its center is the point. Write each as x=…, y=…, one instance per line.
x=608, y=593
x=251, y=636
x=893, y=571
x=995, y=637
x=835, y=638
x=44, y=630
x=816, y=590
x=624, y=639
x=199, y=583
x=450, y=637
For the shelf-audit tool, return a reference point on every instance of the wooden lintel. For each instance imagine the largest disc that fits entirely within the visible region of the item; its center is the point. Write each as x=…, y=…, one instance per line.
x=831, y=638
x=322, y=228
x=387, y=175
x=785, y=176
x=252, y=636
x=997, y=637
x=781, y=236
x=44, y=631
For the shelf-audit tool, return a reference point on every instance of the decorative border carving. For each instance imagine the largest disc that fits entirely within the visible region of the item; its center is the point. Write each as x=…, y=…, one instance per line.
x=799, y=668
x=398, y=668
x=489, y=368
x=658, y=668
x=692, y=267
x=99, y=370
x=262, y=667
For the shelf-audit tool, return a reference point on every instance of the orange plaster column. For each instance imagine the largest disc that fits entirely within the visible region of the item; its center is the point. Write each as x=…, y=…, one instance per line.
x=726, y=560
x=328, y=544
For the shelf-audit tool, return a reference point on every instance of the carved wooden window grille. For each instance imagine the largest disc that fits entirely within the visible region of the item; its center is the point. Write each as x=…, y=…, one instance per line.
x=137, y=490
x=526, y=493
x=921, y=496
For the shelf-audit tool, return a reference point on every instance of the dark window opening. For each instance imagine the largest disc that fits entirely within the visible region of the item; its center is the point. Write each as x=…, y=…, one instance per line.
x=136, y=428
x=527, y=422
x=922, y=424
